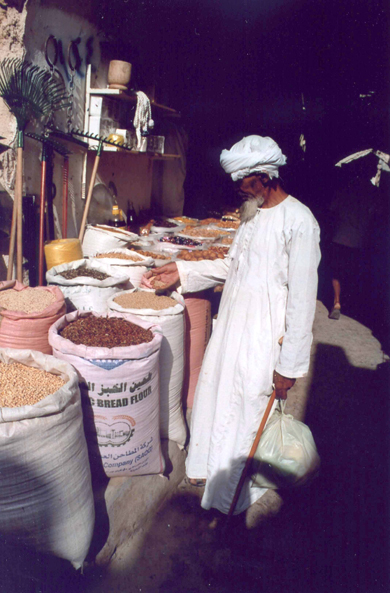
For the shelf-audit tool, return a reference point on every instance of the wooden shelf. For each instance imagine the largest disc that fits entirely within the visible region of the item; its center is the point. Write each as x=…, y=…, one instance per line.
x=151, y=155
x=124, y=96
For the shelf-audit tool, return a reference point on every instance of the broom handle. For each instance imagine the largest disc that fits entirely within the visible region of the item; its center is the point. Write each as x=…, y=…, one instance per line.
x=11, y=251
x=65, y=176
x=90, y=190
x=251, y=455
x=19, y=220
x=42, y=216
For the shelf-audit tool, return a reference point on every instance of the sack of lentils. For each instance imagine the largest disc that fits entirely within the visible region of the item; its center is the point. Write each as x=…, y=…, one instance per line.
x=116, y=357
x=46, y=497
x=125, y=262
x=168, y=313
x=87, y=285
x=26, y=315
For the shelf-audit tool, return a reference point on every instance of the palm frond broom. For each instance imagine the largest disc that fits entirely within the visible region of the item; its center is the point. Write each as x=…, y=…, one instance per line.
x=30, y=93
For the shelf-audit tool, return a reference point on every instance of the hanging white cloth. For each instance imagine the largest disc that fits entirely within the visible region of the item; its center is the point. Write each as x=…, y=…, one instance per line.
x=142, y=118
x=270, y=292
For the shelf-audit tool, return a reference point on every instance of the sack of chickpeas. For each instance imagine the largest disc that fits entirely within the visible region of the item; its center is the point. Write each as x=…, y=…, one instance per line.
x=87, y=285
x=46, y=497
x=26, y=315
x=116, y=357
x=168, y=312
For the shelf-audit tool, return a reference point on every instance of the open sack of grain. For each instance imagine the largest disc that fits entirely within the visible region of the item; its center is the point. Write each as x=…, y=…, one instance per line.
x=103, y=238
x=87, y=285
x=27, y=313
x=116, y=358
x=125, y=262
x=46, y=498
x=168, y=313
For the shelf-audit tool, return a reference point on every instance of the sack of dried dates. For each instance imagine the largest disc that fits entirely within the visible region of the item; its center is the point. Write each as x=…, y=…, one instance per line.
x=117, y=360
x=87, y=285
x=26, y=315
x=46, y=497
x=168, y=313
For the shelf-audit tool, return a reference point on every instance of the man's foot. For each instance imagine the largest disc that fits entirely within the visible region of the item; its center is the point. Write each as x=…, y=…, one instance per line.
x=197, y=482
x=335, y=312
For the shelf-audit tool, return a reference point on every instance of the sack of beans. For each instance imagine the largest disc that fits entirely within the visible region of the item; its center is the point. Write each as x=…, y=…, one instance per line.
x=125, y=262
x=87, y=285
x=116, y=357
x=26, y=315
x=46, y=497
x=168, y=313
x=198, y=330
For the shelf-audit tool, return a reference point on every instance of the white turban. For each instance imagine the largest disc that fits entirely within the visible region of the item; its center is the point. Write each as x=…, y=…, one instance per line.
x=253, y=154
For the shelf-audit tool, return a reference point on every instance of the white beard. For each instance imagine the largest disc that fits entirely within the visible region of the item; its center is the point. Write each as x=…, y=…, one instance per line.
x=249, y=208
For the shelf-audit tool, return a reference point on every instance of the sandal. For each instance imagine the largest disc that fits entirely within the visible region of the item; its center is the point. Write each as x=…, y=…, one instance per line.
x=334, y=314
x=198, y=483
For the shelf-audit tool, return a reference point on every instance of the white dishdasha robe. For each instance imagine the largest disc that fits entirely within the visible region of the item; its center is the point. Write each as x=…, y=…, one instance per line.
x=270, y=292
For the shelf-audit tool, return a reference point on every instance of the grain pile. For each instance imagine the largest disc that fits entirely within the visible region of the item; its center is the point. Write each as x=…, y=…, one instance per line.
x=144, y=300
x=200, y=232
x=105, y=332
x=83, y=271
x=153, y=255
x=29, y=300
x=21, y=385
x=114, y=255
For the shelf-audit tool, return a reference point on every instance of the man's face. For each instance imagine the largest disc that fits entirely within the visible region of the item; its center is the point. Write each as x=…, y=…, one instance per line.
x=250, y=187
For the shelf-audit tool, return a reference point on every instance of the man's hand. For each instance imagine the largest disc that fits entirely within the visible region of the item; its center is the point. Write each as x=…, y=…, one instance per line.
x=167, y=275
x=282, y=385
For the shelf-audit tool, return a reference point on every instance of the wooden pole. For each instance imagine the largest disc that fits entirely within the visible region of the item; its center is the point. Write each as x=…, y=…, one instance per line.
x=90, y=190
x=250, y=456
x=19, y=206
x=65, y=177
x=42, y=217
x=11, y=251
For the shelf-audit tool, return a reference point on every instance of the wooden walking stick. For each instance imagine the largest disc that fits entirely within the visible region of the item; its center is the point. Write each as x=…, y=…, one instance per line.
x=250, y=456
x=42, y=216
x=90, y=190
x=19, y=208
x=65, y=191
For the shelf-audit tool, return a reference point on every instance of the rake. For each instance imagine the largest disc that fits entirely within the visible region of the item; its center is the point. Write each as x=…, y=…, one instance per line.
x=29, y=93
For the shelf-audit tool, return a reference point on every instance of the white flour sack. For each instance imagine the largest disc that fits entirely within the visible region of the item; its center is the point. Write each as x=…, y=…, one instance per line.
x=85, y=293
x=46, y=500
x=120, y=394
x=102, y=238
x=134, y=270
x=171, y=321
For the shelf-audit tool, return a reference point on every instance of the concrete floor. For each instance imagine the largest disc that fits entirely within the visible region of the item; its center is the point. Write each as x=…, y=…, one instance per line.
x=329, y=537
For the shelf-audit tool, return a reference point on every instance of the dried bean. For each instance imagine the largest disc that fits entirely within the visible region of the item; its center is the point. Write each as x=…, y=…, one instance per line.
x=29, y=300
x=144, y=300
x=114, y=255
x=105, y=332
x=21, y=385
x=83, y=271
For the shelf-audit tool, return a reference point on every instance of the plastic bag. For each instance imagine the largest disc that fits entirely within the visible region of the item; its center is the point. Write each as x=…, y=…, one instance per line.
x=287, y=455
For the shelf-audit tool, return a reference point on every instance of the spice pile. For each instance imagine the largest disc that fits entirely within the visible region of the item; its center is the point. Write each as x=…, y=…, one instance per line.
x=209, y=221
x=200, y=232
x=154, y=255
x=84, y=271
x=29, y=300
x=161, y=222
x=113, y=255
x=228, y=224
x=144, y=300
x=226, y=240
x=212, y=253
x=21, y=385
x=105, y=332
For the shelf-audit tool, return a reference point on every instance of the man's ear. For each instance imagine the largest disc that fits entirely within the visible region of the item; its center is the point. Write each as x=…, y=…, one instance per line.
x=265, y=179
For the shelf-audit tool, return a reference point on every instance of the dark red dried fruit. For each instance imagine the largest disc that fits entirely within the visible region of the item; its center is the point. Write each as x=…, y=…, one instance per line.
x=105, y=332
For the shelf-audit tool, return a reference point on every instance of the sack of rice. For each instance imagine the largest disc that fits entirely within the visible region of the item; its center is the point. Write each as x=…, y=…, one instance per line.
x=125, y=262
x=116, y=357
x=86, y=285
x=26, y=315
x=168, y=313
x=46, y=497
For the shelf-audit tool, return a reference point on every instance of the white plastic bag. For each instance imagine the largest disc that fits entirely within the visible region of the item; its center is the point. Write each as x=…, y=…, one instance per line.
x=46, y=499
x=287, y=455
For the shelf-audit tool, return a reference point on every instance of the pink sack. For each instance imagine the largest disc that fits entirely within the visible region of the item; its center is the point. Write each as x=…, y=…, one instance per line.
x=29, y=331
x=198, y=328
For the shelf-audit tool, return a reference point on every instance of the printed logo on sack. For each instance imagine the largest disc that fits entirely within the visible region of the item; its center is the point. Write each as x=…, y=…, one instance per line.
x=107, y=365
x=116, y=434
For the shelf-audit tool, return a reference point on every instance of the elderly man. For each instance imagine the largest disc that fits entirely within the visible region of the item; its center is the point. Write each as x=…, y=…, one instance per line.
x=264, y=329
